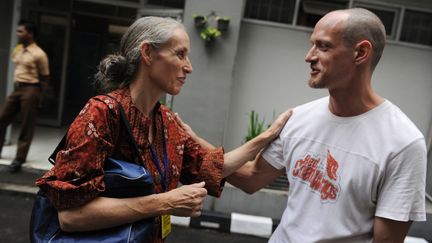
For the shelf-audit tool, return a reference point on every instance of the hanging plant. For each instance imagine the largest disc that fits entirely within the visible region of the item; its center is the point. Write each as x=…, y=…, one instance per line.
x=223, y=23
x=210, y=26
x=209, y=34
x=200, y=20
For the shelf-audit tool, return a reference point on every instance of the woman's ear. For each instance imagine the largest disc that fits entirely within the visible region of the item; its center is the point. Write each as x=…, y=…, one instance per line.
x=363, y=51
x=145, y=50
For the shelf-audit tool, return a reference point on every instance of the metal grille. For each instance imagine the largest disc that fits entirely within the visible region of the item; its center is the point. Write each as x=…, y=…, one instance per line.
x=280, y=11
x=417, y=27
x=281, y=183
x=168, y=3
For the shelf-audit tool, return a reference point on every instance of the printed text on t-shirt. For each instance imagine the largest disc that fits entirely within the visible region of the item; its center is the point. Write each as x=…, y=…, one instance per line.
x=322, y=178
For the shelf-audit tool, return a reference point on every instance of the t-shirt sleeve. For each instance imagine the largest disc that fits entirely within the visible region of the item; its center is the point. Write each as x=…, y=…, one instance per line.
x=273, y=154
x=402, y=192
x=77, y=176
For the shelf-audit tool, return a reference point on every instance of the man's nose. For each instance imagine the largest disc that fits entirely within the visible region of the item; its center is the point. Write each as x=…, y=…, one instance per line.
x=310, y=55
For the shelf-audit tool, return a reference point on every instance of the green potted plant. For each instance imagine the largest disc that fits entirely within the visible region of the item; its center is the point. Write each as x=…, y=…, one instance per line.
x=200, y=20
x=209, y=34
x=223, y=23
x=256, y=127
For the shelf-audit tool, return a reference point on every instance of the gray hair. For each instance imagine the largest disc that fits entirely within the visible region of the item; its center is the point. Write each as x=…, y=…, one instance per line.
x=362, y=24
x=117, y=70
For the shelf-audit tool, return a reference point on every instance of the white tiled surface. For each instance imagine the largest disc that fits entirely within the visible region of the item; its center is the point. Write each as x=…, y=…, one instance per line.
x=44, y=141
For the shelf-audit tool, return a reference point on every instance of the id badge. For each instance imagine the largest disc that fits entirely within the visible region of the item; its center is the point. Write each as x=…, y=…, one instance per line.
x=165, y=225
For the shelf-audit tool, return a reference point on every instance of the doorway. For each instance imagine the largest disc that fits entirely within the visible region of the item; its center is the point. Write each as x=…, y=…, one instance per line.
x=52, y=25
x=91, y=39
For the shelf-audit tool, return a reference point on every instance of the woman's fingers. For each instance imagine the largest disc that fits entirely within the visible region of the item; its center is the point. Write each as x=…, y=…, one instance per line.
x=279, y=123
x=188, y=200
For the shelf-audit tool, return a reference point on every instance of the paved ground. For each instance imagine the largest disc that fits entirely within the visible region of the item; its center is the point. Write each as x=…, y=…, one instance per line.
x=14, y=225
x=15, y=211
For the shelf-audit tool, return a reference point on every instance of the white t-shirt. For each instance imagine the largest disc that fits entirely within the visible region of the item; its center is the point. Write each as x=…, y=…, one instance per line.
x=344, y=171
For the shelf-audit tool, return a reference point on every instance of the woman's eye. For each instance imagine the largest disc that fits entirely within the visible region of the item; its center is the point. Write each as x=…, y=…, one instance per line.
x=181, y=55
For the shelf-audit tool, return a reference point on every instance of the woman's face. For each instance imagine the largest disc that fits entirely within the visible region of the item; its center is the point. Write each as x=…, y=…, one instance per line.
x=170, y=63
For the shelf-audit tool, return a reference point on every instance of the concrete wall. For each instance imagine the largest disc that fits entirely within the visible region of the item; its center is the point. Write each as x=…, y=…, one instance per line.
x=271, y=75
x=205, y=99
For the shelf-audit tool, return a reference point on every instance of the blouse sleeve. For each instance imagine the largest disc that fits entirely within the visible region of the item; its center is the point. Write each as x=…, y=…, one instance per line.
x=77, y=176
x=203, y=165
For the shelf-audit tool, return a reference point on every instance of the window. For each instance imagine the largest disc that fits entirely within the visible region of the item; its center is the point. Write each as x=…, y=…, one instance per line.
x=55, y=4
x=103, y=9
x=168, y=3
x=388, y=15
x=417, y=27
x=416, y=24
x=311, y=11
x=280, y=11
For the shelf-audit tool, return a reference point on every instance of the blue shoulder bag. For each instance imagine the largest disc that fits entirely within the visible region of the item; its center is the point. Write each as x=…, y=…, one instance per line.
x=122, y=179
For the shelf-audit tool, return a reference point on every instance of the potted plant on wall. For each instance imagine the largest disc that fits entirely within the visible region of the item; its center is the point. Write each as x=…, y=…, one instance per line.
x=223, y=23
x=209, y=34
x=200, y=20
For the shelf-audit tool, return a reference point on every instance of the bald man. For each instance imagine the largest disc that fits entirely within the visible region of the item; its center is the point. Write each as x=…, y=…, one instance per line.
x=355, y=163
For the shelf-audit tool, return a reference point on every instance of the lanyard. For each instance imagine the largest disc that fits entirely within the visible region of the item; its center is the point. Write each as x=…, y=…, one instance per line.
x=163, y=174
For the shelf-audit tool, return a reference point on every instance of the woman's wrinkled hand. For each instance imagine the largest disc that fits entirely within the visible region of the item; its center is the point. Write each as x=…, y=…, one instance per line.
x=185, y=126
x=187, y=200
x=274, y=130
x=204, y=143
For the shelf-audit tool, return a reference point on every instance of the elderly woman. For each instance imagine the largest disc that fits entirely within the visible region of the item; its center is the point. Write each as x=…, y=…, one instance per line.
x=152, y=61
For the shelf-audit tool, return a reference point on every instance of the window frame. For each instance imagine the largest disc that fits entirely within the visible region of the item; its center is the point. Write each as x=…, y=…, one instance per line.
x=394, y=38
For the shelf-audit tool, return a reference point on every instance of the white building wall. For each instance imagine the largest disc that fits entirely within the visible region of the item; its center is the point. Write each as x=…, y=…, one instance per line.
x=205, y=99
x=271, y=75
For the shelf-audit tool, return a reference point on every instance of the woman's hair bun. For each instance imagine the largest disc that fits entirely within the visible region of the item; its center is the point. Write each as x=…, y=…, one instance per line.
x=111, y=72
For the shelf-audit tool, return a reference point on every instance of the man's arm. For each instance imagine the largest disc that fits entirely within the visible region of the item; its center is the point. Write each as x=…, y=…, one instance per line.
x=254, y=175
x=44, y=82
x=236, y=158
x=391, y=231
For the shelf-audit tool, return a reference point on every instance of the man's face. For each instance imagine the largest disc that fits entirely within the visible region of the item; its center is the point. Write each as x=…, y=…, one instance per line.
x=23, y=35
x=172, y=64
x=331, y=60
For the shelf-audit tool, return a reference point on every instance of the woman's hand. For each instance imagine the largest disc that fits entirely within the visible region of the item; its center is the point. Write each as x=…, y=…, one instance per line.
x=185, y=126
x=194, y=136
x=273, y=131
x=187, y=200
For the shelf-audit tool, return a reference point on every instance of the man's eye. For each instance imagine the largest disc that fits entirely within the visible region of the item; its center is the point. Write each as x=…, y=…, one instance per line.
x=323, y=46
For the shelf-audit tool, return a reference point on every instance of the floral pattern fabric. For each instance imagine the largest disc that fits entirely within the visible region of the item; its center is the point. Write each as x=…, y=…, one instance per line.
x=96, y=134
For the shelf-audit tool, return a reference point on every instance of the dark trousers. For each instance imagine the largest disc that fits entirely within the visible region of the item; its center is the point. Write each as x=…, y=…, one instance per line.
x=24, y=99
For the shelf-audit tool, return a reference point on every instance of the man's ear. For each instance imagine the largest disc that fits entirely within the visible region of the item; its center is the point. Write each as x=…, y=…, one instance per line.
x=145, y=50
x=363, y=51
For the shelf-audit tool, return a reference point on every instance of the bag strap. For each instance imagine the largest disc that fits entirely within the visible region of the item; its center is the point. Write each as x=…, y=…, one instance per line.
x=128, y=128
x=123, y=120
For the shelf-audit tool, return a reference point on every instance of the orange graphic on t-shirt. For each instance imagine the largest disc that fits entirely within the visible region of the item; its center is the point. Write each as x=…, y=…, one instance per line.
x=332, y=166
x=322, y=179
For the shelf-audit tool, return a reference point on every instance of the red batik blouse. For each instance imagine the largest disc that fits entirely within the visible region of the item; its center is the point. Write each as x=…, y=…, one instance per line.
x=96, y=134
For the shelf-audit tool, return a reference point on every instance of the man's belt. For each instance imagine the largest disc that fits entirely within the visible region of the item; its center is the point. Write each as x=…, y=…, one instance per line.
x=22, y=84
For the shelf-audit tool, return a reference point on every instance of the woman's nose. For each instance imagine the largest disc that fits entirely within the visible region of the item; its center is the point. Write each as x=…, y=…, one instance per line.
x=188, y=67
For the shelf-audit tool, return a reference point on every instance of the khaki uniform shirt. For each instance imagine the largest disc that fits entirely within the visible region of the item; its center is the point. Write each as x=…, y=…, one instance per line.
x=31, y=62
